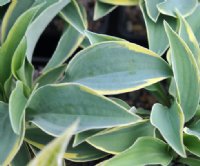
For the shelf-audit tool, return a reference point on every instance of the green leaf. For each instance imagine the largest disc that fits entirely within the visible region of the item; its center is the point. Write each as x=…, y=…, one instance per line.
x=4, y=2
x=81, y=137
x=23, y=156
x=15, y=9
x=96, y=68
x=85, y=43
x=10, y=142
x=96, y=38
x=21, y=68
x=169, y=7
x=102, y=9
x=69, y=42
x=190, y=161
x=170, y=122
x=185, y=72
x=82, y=153
x=73, y=15
x=152, y=10
x=54, y=151
x=192, y=144
x=17, y=103
x=193, y=129
x=12, y=41
x=194, y=24
x=121, y=2
x=120, y=102
x=43, y=18
x=188, y=36
x=155, y=29
x=108, y=140
x=51, y=76
x=145, y=150
x=54, y=107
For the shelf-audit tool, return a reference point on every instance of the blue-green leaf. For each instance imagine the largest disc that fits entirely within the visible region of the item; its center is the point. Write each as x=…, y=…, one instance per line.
x=154, y=30
x=169, y=7
x=108, y=140
x=96, y=67
x=170, y=122
x=54, y=107
x=17, y=105
x=146, y=150
x=152, y=10
x=10, y=142
x=102, y=9
x=69, y=42
x=186, y=74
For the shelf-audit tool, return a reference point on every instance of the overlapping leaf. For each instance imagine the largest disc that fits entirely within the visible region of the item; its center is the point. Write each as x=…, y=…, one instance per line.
x=17, y=105
x=54, y=107
x=69, y=42
x=16, y=8
x=152, y=10
x=186, y=74
x=108, y=140
x=81, y=153
x=169, y=7
x=154, y=31
x=53, y=153
x=72, y=13
x=10, y=142
x=188, y=36
x=146, y=150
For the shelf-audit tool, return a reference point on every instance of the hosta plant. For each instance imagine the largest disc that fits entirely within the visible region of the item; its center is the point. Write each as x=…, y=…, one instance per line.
x=67, y=112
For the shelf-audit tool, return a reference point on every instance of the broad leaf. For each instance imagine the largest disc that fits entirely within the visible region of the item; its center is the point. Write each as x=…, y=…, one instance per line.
x=82, y=153
x=170, y=122
x=152, y=10
x=192, y=144
x=69, y=42
x=17, y=105
x=53, y=153
x=108, y=140
x=186, y=74
x=121, y=2
x=169, y=7
x=10, y=142
x=96, y=67
x=54, y=107
x=155, y=29
x=102, y=9
x=145, y=150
